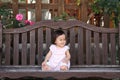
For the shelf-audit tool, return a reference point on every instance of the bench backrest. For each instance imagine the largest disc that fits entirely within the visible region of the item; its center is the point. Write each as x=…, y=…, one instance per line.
x=88, y=44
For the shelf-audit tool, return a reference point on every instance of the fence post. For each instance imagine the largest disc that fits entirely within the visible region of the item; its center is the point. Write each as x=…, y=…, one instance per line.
x=119, y=37
x=0, y=43
x=38, y=10
x=15, y=7
x=119, y=43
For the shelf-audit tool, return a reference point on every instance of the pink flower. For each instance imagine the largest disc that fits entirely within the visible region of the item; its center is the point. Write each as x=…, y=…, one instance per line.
x=21, y=22
x=31, y=23
x=19, y=17
x=28, y=22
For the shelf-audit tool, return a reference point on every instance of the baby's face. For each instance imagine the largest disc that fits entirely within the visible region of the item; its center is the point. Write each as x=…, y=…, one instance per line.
x=60, y=41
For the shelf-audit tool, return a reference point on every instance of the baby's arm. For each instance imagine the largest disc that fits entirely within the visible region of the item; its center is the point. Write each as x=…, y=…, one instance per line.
x=68, y=56
x=47, y=57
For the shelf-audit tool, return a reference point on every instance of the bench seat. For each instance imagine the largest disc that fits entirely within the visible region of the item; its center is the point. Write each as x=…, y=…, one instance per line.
x=79, y=71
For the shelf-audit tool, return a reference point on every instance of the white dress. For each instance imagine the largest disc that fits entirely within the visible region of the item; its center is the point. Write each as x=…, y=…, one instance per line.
x=58, y=54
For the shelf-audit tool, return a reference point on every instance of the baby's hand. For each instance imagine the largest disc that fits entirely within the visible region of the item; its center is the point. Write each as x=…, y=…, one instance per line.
x=44, y=63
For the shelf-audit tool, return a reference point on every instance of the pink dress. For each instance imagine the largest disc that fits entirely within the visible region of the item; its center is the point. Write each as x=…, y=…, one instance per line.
x=58, y=54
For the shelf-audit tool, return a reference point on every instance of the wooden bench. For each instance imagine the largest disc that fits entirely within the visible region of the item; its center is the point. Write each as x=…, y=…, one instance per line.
x=95, y=51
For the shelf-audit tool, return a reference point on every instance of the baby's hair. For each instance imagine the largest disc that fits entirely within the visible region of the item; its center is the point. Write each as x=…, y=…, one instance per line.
x=57, y=33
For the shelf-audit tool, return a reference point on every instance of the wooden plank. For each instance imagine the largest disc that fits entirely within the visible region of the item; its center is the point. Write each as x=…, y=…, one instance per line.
x=97, y=55
x=84, y=10
x=32, y=47
x=53, y=1
x=38, y=10
x=67, y=36
x=15, y=7
x=88, y=47
x=60, y=7
x=104, y=49
x=52, y=12
x=7, y=49
x=106, y=20
x=48, y=38
x=80, y=72
x=16, y=49
x=72, y=46
x=81, y=54
x=112, y=49
x=66, y=33
x=1, y=37
x=24, y=49
x=49, y=6
x=40, y=45
x=119, y=42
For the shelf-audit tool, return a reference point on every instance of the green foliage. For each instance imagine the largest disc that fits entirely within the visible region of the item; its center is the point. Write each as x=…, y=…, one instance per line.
x=78, y=2
x=5, y=14
x=7, y=18
x=64, y=16
x=110, y=7
x=22, y=0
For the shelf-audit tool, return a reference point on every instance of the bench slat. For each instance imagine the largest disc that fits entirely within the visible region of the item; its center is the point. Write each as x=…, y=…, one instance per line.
x=16, y=50
x=88, y=47
x=104, y=49
x=72, y=46
x=56, y=75
x=80, y=46
x=48, y=38
x=32, y=47
x=81, y=72
x=1, y=38
x=7, y=49
x=24, y=49
x=96, y=48
x=40, y=47
x=113, y=49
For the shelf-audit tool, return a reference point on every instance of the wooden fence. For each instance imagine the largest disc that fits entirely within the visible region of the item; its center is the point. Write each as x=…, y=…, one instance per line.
x=56, y=8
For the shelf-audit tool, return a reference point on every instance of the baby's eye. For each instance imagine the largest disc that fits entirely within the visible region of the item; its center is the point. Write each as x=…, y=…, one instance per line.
x=60, y=39
x=64, y=39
